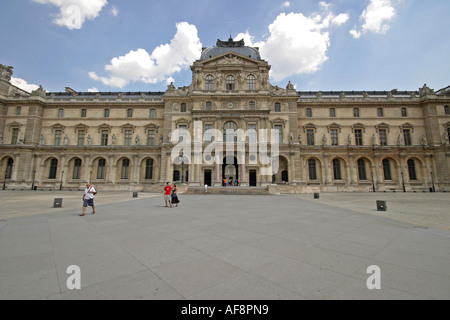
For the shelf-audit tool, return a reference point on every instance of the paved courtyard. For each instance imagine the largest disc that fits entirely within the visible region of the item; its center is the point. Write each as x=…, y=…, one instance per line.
x=225, y=247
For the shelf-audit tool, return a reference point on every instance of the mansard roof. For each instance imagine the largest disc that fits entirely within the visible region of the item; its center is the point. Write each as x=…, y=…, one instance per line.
x=230, y=46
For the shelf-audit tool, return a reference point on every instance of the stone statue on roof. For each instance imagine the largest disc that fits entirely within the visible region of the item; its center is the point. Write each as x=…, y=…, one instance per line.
x=230, y=43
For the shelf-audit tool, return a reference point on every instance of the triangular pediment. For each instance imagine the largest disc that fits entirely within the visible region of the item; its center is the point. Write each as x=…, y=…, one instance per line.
x=231, y=58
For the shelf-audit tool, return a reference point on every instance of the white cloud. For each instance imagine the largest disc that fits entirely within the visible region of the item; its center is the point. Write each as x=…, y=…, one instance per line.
x=340, y=19
x=164, y=61
x=22, y=84
x=73, y=13
x=286, y=4
x=375, y=18
x=298, y=44
x=114, y=11
x=93, y=89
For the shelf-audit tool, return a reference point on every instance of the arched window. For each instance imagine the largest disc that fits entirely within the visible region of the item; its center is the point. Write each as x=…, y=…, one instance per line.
x=149, y=169
x=209, y=106
x=9, y=167
x=209, y=82
x=251, y=82
x=412, y=170
x=152, y=113
x=312, y=169
x=229, y=132
x=337, y=169
x=76, y=169
x=101, y=169
x=362, y=169
x=387, y=170
x=230, y=83
x=125, y=169
x=277, y=107
x=53, y=168
x=251, y=105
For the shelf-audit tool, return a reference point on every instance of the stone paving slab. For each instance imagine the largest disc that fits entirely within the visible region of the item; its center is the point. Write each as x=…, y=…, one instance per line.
x=223, y=247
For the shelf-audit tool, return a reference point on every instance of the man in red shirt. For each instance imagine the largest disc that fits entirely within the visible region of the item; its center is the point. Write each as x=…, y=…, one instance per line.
x=167, y=195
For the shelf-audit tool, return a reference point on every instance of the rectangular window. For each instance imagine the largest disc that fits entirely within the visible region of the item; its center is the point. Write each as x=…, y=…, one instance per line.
x=383, y=137
x=151, y=135
x=15, y=135
x=312, y=169
x=76, y=169
x=182, y=133
x=101, y=169
x=128, y=134
x=356, y=112
x=278, y=133
x=333, y=113
x=387, y=170
x=104, y=140
x=337, y=169
x=129, y=113
x=310, y=137
x=362, y=170
x=252, y=133
x=60, y=113
x=18, y=111
x=106, y=114
x=308, y=112
x=358, y=137
x=149, y=169
x=83, y=113
x=80, y=137
x=380, y=112
x=404, y=112
x=277, y=107
x=208, y=132
x=58, y=134
x=334, y=137
x=183, y=107
x=125, y=169
x=448, y=134
x=407, y=137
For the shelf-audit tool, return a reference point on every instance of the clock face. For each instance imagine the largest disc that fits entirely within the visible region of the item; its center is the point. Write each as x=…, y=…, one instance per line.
x=230, y=105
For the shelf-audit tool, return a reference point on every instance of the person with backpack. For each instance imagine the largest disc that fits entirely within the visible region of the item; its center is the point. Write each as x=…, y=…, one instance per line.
x=88, y=198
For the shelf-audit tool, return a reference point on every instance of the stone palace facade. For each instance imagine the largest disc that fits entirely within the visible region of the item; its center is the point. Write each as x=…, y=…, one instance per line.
x=328, y=141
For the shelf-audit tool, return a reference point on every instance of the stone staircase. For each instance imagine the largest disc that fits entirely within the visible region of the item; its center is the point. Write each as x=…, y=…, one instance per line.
x=229, y=190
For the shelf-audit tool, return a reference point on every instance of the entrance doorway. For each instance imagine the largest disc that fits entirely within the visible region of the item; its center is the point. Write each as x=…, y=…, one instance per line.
x=252, y=178
x=230, y=169
x=208, y=177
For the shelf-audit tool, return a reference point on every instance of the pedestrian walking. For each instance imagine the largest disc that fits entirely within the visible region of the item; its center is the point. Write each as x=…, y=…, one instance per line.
x=88, y=198
x=167, y=195
x=175, y=199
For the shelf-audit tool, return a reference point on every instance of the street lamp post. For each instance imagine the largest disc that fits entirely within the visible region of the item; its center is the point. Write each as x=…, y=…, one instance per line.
x=60, y=185
x=4, y=182
x=403, y=183
x=32, y=183
x=432, y=181
x=373, y=182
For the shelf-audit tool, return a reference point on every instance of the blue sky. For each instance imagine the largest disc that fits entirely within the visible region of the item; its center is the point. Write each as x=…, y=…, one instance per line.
x=137, y=45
